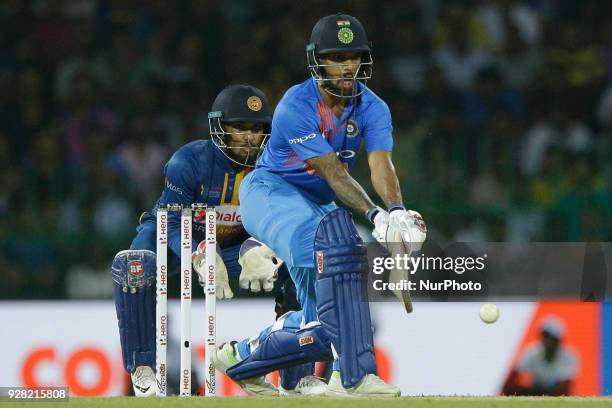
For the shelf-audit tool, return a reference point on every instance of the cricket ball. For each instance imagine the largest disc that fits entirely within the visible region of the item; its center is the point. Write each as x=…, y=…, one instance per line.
x=489, y=313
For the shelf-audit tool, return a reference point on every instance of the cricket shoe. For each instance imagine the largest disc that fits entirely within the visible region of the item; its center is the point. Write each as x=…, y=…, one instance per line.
x=369, y=386
x=225, y=357
x=143, y=381
x=308, y=386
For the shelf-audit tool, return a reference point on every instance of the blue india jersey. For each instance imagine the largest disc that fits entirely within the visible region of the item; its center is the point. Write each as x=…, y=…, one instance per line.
x=304, y=127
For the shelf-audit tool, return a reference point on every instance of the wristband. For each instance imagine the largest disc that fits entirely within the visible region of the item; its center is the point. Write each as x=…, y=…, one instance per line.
x=396, y=206
x=371, y=214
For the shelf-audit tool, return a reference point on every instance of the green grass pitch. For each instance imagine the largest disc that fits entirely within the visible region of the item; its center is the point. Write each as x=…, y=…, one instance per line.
x=405, y=402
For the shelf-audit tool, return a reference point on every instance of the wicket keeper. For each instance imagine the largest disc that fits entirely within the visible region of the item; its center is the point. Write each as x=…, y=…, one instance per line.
x=208, y=172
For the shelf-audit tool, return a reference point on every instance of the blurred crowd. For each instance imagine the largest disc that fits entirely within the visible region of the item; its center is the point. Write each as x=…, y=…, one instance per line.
x=502, y=112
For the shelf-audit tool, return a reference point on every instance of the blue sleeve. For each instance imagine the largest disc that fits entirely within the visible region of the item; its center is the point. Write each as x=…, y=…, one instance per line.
x=378, y=132
x=179, y=181
x=299, y=128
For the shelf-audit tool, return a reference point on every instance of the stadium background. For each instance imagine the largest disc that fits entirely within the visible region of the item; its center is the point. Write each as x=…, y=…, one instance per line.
x=502, y=112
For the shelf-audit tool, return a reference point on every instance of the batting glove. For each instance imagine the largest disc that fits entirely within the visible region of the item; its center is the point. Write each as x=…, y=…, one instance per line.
x=410, y=226
x=380, y=219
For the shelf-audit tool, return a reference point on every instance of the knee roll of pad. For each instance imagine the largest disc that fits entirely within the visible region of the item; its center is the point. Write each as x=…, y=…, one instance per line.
x=342, y=304
x=133, y=274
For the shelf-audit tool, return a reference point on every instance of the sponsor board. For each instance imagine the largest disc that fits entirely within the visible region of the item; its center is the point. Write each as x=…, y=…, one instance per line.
x=440, y=349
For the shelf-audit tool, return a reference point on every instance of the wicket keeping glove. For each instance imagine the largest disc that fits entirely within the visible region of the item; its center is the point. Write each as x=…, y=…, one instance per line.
x=223, y=289
x=259, y=266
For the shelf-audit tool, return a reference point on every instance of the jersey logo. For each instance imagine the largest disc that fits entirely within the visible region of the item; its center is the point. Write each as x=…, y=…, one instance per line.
x=229, y=222
x=215, y=192
x=346, y=154
x=254, y=103
x=302, y=139
x=229, y=215
x=226, y=215
x=172, y=187
x=351, y=128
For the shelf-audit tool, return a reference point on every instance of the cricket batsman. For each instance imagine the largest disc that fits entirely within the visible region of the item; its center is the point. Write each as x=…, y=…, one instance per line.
x=199, y=172
x=288, y=204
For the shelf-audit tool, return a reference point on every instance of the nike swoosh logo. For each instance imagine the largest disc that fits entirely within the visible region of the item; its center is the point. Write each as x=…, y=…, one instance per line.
x=142, y=389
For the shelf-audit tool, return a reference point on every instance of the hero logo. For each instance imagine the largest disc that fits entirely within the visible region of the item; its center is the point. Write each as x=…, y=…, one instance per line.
x=302, y=139
x=187, y=231
x=187, y=380
x=187, y=283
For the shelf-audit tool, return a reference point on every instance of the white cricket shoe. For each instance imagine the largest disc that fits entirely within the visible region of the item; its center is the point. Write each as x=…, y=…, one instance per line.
x=225, y=357
x=369, y=386
x=143, y=381
x=308, y=386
